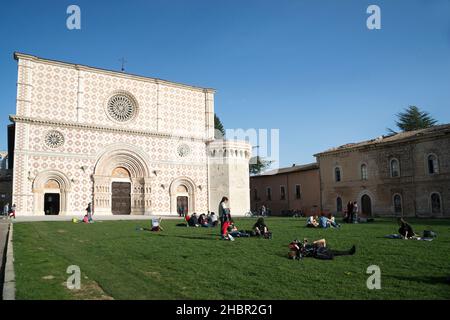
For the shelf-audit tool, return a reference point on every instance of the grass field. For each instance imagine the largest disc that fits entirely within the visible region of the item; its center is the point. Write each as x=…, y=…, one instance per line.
x=118, y=262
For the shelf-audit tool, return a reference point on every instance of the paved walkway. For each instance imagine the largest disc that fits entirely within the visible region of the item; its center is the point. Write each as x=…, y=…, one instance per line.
x=4, y=224
x=96, y=218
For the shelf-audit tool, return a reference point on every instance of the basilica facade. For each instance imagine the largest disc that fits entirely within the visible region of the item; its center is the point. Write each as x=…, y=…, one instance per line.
x=126, y=143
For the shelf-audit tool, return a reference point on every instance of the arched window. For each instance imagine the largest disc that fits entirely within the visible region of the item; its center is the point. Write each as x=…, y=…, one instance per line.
x=363, y=172
x=269, y=193
x=337, y=174
x=433, y=165
x=435, y=203
x=398, y=204
x=395, y=168
x=338, y=204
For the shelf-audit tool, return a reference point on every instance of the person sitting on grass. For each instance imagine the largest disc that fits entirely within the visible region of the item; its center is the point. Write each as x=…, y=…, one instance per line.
x=261, y=230
x=86, y=219
x=156, y=225
x=193, y=221
x=213, y=221
x=201, y=219
x=326, y=222
x=317, y=249
x=405, y=229
x=311, y=222
x=225, y=235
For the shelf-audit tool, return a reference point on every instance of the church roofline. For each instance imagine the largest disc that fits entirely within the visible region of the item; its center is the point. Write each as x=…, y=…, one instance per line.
x=25, y=56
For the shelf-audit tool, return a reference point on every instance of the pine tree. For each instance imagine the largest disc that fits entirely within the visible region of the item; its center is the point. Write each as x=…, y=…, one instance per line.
x=412, y=118
x=219, y=132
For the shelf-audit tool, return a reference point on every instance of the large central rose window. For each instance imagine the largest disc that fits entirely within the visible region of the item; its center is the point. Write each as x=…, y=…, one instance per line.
x=121, y=108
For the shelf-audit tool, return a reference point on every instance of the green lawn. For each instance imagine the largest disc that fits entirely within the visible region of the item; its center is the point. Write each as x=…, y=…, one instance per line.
x=192, y=263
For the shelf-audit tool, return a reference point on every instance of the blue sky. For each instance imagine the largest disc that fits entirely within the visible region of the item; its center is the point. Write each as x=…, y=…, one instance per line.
x=309, y=68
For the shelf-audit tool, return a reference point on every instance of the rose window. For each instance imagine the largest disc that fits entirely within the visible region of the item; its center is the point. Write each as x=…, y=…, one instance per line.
x=121, y=108
x=54, y=139
x=183, y=150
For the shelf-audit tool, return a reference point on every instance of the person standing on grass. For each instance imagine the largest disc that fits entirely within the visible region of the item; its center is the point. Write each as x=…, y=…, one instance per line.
x=263, y=210
x=355, y=212
x=225, y=217
x=350, y=212
x=89, y=211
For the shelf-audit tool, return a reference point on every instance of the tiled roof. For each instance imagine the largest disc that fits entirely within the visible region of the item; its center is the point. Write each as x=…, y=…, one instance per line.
x=293, y=168
x=398, y=137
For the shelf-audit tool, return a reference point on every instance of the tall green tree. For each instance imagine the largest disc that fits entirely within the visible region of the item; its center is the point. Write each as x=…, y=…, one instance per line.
x=219, y=132
x=258, y=165
x=412, y=118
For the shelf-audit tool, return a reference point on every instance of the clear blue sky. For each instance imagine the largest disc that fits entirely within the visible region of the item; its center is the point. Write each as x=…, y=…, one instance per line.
x=309, y=68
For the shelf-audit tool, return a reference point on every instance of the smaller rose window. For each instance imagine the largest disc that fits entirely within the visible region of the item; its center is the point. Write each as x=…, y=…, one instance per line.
x=54, y=139
x=183, y=150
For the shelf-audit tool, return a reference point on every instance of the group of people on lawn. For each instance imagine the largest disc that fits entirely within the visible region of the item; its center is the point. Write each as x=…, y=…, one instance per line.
x=204, y=220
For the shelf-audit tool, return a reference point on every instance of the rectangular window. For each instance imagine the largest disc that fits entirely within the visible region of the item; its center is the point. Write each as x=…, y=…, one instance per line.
x=298, y=194
x=282, y=193
x=269, y=193
x=255, y=194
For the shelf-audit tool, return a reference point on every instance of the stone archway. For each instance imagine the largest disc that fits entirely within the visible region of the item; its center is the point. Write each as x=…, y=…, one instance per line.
x=55, y=183
x=182, y=187
x=122, y=164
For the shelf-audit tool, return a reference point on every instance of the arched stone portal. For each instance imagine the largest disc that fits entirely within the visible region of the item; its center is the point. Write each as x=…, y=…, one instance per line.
x=122, y=165
x=182, y=192
x=51, y=190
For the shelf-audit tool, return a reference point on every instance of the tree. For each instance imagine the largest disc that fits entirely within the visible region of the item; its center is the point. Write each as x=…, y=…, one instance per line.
x=412, y=118
x=219, y=131
x=258, y=164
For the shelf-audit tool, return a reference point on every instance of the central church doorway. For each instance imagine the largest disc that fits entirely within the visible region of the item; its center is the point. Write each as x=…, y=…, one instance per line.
x=51, y=204
x=182, y=205
x=121, y=198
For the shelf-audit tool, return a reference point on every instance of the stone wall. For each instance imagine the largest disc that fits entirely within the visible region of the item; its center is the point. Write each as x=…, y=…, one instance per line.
x=414, y=185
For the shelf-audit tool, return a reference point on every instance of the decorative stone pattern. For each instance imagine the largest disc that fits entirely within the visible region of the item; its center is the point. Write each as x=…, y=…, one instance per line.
x=64, y=94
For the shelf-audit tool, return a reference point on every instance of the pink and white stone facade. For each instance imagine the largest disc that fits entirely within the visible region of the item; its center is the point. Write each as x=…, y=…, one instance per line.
x=67, y=142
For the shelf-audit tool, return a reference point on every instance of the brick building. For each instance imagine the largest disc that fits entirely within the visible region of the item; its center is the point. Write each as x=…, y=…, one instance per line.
x=291, y=188
x=403, y=174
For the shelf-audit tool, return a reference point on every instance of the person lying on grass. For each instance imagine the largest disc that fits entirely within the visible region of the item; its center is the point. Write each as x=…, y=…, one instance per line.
x=317, y=249
x=156, y=226
x=261, y=230
x=235, y=232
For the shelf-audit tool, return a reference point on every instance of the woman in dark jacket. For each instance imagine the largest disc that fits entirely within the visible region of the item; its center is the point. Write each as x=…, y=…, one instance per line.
x=260, y=229
x=405, y=229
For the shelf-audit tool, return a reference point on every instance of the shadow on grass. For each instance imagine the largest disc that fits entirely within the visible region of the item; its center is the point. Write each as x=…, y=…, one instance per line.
x=206, y=237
